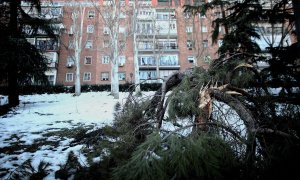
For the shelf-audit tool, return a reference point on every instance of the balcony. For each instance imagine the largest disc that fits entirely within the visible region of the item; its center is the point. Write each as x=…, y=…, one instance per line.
x=54, y=13
x=147, y=62
x=145, y=48
x=52, y=59
x=144, y=4
x=46, y=44
x=163, y=48
x=52, y=65
x=169, y=62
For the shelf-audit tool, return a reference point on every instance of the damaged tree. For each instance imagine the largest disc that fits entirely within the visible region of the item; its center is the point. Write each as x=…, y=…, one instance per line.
x=224, y=123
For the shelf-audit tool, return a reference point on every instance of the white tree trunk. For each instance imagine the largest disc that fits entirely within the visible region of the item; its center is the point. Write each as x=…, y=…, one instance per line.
x=114, y=33
x=115, y=80
x=136, y=67
x=78, y=33
x=77, y=76
x=135, y=56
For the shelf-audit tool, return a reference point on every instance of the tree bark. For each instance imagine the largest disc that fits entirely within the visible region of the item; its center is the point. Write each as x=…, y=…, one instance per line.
x=13, y=95
x=78, y=28
x=135, y=50
x=115, y=48
x=157, y=102
x=114, y=79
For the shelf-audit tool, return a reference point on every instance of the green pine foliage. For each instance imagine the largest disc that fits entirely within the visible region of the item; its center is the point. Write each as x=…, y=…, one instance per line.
x=229, y=148
x=203, y=157
x=27, y=171
x=70, y=168
x=183, y=101
x=29, y=62
x=130, y=128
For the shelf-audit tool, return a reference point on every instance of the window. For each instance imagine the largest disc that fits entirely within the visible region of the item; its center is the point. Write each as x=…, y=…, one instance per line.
x=187, y=15
x=207, y=59
x=91, y=14
x=204, y=29
x=70, y=61
x=47, y=44
x=166, y=44
x=205, y=43
x=106, y=15
x=105, y=59
x=71, y=30
x=122, y=15
x=146, y=61
x=191, y=59
x=144, y=27
x=69, y=77
x=90, y=29
x=218, y=14
x=189, y=44
x=122, y=60
x=104, y=76
x=122, y=3
x=51, y=79
x=146, y=45
x=106, y=30
x=130, y=3
x=87, y=76
x=88, y=60
x=71, y=44
x=220, y=42
x=105, y=43
x=145, y=12
x=107, y=2
x=189, y=29
x=122, y=44
x=221, y=30
x=122, y=29
x=168, y=60
x=89, y=44
x=165, y=15
x=56, y=11
x=147, y=75
x=122, y=76
x=172, y=26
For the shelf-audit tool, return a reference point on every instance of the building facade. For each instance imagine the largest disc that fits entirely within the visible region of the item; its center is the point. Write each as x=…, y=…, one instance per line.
x=167, y=40
x=156, y=33
x=49, y=46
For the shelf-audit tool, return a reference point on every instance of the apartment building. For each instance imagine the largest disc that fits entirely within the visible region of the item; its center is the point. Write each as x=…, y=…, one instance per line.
x=167, y=39
x=49, y=46
x=159, y=33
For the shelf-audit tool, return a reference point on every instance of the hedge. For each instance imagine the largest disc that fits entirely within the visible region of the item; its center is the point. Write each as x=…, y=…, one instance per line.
x=47, y=89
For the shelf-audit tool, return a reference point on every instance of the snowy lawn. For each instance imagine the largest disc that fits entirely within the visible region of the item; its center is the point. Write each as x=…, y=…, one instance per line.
x=42, y=127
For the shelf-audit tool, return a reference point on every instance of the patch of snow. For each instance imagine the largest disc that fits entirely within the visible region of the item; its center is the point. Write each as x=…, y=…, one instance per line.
x=96, y=159
x=3, y=100
x=40, y=114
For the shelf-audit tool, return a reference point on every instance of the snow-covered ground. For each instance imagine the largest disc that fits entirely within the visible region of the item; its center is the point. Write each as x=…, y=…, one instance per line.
x=39, y=115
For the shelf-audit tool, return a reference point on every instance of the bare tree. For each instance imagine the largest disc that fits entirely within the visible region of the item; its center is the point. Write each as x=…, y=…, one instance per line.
x=77, y=28
x=78, y=38
x=113, y=15
x=135, y=50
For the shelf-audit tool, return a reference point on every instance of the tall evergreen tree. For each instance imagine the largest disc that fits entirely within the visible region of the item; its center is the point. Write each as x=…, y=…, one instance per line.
x=21, y=61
